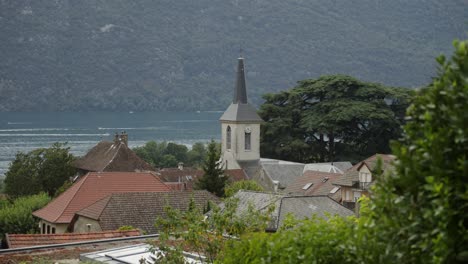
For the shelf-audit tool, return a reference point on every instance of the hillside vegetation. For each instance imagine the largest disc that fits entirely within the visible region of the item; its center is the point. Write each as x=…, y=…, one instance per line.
x=181, y=55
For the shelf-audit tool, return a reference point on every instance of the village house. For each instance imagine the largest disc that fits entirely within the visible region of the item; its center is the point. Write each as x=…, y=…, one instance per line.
x=56, y=216
x=138, y=210
x=356, y=181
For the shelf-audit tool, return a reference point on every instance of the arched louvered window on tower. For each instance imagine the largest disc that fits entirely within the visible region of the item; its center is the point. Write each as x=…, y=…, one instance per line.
x=228, y=137
x=247, y=141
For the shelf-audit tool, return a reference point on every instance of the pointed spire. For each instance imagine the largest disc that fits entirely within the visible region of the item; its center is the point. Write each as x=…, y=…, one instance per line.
x=240, y=91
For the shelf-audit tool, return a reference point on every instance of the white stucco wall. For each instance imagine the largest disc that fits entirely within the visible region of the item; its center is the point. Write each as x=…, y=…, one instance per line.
x=238, y=151
x=59, y=228
x=81, y=225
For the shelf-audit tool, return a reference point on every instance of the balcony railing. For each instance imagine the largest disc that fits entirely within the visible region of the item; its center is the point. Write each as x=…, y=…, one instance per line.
x=361, y=185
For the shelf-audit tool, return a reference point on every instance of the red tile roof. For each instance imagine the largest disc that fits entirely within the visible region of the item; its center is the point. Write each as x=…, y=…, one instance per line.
x=30, y=240
x=184, y=180
x=237, y=175
x=95, y=186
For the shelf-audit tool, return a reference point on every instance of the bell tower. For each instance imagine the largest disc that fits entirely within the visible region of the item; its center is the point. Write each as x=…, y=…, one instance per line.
x=240, y=126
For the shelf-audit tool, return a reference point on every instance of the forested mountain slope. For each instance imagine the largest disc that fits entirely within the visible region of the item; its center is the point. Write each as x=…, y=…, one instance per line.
x=181, y=54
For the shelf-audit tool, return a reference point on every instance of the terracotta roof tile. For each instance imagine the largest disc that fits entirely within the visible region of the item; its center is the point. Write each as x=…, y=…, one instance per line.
x=95, y=186
x=141, y=209
x=29, y=240
x=110, y=156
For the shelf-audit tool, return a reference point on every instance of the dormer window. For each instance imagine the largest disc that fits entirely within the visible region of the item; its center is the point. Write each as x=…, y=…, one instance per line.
x=228, y=137
x=365, y=177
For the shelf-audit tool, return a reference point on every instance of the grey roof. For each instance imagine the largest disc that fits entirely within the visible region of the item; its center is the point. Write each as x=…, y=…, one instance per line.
x=283, y=172
x=260, y=201
x=333, y=167
x=240, y=91
x=240, y=110
x=241, y=113
x=305, y=207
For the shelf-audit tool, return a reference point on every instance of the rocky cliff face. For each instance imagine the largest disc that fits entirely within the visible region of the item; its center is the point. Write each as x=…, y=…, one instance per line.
x=181, y=55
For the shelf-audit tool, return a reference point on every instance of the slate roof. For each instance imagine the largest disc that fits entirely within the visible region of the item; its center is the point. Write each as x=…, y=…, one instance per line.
x=305, y=207
x=112, y=156
x=260, y=201
x=30, y=240
x=300, y=206
x=283, y=172
x=140, y=210
x=352, y=174
x=95, y=186
x=333, y=167
x=321, y=184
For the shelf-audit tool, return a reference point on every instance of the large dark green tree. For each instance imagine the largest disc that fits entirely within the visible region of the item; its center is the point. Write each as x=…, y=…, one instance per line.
x=41, y=170
x=331, y=118
x=213, y=180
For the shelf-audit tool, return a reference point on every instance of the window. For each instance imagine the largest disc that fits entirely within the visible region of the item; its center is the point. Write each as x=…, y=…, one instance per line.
x=48, y=229
x=247, y=141
x=334, y=190
x=43, y=231
x=307, y=186
x=364, y=177
x=53, y=230
x=228, y=137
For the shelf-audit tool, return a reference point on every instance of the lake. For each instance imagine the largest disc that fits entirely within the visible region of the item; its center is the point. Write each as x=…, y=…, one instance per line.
x=27, y=131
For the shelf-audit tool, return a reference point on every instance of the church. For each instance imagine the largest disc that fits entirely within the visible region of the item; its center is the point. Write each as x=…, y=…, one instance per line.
x=240, y=144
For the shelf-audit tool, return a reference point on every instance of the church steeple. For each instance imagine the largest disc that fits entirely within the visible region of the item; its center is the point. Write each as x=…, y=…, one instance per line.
x=240, y=91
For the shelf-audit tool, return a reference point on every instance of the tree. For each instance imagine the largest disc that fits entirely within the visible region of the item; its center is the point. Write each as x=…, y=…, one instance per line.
x=41, y=170
x=206, y=235
x=213, y=179
x=421, y=210
x=196, y=155
x=233, y=187
x=331, y=118
x=17, y=218
x=167, y=155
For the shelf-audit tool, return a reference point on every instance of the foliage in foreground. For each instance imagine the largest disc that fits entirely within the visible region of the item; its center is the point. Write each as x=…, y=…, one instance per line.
x=41, y=170
x=206, y=235
x=417, y=214
x=233, y=187
x=17, y=218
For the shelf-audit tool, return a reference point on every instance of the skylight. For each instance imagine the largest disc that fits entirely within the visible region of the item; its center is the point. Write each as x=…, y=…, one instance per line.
x=334, y=190
x=307, y=186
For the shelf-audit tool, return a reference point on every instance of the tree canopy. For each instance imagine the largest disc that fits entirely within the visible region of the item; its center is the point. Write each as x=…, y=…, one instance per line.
x=168, y=155
x=334, y=117
x=41, y=170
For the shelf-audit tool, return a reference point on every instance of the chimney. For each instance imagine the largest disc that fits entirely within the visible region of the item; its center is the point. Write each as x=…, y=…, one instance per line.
x=180, y=166
x=124, y=138
x=116, y=138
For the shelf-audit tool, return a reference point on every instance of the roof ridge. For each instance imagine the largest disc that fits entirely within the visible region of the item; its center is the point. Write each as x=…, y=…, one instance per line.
x=115, y=154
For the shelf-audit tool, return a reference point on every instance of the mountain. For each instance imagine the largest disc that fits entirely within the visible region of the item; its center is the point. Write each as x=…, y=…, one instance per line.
x=180, y=55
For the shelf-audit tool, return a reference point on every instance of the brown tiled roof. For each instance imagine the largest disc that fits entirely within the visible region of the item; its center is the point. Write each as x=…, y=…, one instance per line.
x=237, y=175
x=352, y=174
x=30, y=240
x=110, y=156
x=322, y=184
x=95, y=186
x=141, y=209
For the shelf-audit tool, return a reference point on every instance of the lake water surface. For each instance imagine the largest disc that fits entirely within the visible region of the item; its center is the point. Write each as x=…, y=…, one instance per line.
x=27, y=131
